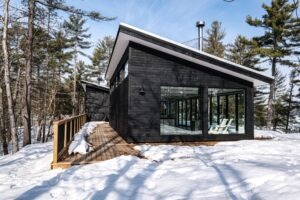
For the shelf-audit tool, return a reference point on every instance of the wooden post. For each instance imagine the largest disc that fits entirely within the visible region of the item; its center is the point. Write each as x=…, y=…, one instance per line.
x=78, y=125
x=55, y=142
x=71, y=129
x=65, y=134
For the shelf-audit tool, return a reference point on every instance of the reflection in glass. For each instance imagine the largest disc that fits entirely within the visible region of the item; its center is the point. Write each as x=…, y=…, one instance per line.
x=180, y=113
x=226, y=111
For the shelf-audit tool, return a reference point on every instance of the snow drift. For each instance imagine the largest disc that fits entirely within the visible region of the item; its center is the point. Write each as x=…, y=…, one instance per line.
x=79, y=143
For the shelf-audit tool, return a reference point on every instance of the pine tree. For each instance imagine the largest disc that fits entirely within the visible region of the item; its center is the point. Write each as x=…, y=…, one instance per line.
x=272, y=44
x=214, y=44
x=78, y=41
x=100, y=59
x=279, y=91
x=61, y=58
x=290, y=101
x=241, y=52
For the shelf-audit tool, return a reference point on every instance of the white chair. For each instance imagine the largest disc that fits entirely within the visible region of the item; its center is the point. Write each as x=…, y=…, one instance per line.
x=225, y=131
x=218, y=128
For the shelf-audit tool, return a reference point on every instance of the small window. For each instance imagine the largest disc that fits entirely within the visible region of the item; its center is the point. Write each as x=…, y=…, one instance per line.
x=126, y=70
x=117, y=80
x=121, y=75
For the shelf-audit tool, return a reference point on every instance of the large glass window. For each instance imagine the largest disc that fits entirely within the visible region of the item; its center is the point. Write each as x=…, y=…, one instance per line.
x=226, y=111
x=179, y=112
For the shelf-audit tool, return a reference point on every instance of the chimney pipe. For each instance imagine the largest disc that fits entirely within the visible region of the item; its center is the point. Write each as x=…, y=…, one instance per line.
x=200, y=25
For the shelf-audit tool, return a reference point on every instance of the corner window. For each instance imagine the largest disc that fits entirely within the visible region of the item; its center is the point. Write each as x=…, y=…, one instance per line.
x=226, y=111
x=126, y=70
x=180, y=111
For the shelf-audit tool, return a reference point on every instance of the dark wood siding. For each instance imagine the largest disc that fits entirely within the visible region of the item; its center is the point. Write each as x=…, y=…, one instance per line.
x=96, y=103
x=151, y=69
x=118, y=117
x=193, y=54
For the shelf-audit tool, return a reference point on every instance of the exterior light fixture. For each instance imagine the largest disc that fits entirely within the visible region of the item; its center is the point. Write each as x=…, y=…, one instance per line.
x=142, y=90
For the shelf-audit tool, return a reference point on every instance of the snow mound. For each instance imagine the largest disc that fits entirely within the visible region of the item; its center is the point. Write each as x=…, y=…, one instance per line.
x=265, y=134
x=79, y=143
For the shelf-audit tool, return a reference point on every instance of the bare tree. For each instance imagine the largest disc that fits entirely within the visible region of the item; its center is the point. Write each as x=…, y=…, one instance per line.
x=2, y=123
x=28, y=73
x=10, y=103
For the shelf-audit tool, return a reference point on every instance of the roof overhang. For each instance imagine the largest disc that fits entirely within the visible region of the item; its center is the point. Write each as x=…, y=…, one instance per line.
x=127, y=34
x=93, y=85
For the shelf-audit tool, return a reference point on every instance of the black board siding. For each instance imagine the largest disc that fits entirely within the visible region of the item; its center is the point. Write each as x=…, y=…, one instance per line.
x=151, y=69
x=96, y=103
x=193, y=54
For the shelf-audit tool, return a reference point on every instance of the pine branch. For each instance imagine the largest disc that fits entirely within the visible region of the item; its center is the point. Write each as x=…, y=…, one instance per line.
x=71, y=9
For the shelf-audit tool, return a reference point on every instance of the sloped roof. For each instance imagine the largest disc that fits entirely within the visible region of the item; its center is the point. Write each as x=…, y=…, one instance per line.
x=93, y=85
x=128, y=33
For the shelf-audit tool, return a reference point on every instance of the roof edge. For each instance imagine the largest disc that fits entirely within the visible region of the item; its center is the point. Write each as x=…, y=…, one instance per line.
x=122, y=24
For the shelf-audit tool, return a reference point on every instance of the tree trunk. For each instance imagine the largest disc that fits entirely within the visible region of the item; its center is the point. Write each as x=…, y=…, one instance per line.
x=289, y=103
x=10, y=103
x=28, y=71
x=40, y=114
x=2, y=126
x=270, y=110
x=74, y=83
x=45, y=111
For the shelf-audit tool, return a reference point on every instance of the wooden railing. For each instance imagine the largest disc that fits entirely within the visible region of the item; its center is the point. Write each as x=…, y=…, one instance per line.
x=64, y=131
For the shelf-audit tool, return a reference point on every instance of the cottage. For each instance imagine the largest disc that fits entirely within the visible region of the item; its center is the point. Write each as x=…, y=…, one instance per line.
x=163, y=91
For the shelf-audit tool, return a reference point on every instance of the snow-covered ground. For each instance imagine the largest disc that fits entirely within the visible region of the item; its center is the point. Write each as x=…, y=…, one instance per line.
x=258, y=169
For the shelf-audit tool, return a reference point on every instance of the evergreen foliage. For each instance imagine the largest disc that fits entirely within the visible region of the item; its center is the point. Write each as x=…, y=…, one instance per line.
x=273, y=43
x=214, y=42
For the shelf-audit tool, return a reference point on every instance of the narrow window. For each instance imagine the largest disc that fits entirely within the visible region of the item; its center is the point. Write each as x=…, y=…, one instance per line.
x=126, y=70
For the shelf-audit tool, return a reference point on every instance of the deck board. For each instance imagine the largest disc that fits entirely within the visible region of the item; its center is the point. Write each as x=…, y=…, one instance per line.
x=108, y=144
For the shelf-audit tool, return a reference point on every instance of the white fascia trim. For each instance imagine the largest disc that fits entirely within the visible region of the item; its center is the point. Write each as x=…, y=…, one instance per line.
x=123, y=41
x=192, y=49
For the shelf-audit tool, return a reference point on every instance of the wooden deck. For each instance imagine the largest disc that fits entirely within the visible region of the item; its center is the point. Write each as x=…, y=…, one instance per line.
x=108, y=144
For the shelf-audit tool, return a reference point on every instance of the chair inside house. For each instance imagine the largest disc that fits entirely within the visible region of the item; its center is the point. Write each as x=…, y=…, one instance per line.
x=226, y=111
x=222, y=128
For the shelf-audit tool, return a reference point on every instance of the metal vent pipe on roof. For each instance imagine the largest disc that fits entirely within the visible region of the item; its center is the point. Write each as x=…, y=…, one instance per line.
x=200, y=25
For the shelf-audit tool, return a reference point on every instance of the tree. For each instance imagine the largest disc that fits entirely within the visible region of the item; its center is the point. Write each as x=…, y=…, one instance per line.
x=242, y=52
x=100, y=59
x=279, y=91
x=78, y=41
x=28, y=73
x=271, y=45
x=3, y=137
x=11, y=113
x=289, y=101
x=214, y=44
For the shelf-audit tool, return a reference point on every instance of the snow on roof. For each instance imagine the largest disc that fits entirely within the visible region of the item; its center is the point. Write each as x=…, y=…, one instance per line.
x=123, y=39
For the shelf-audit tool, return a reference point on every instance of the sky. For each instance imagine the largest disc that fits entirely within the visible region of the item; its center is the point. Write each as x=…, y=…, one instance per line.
x=173, y=19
